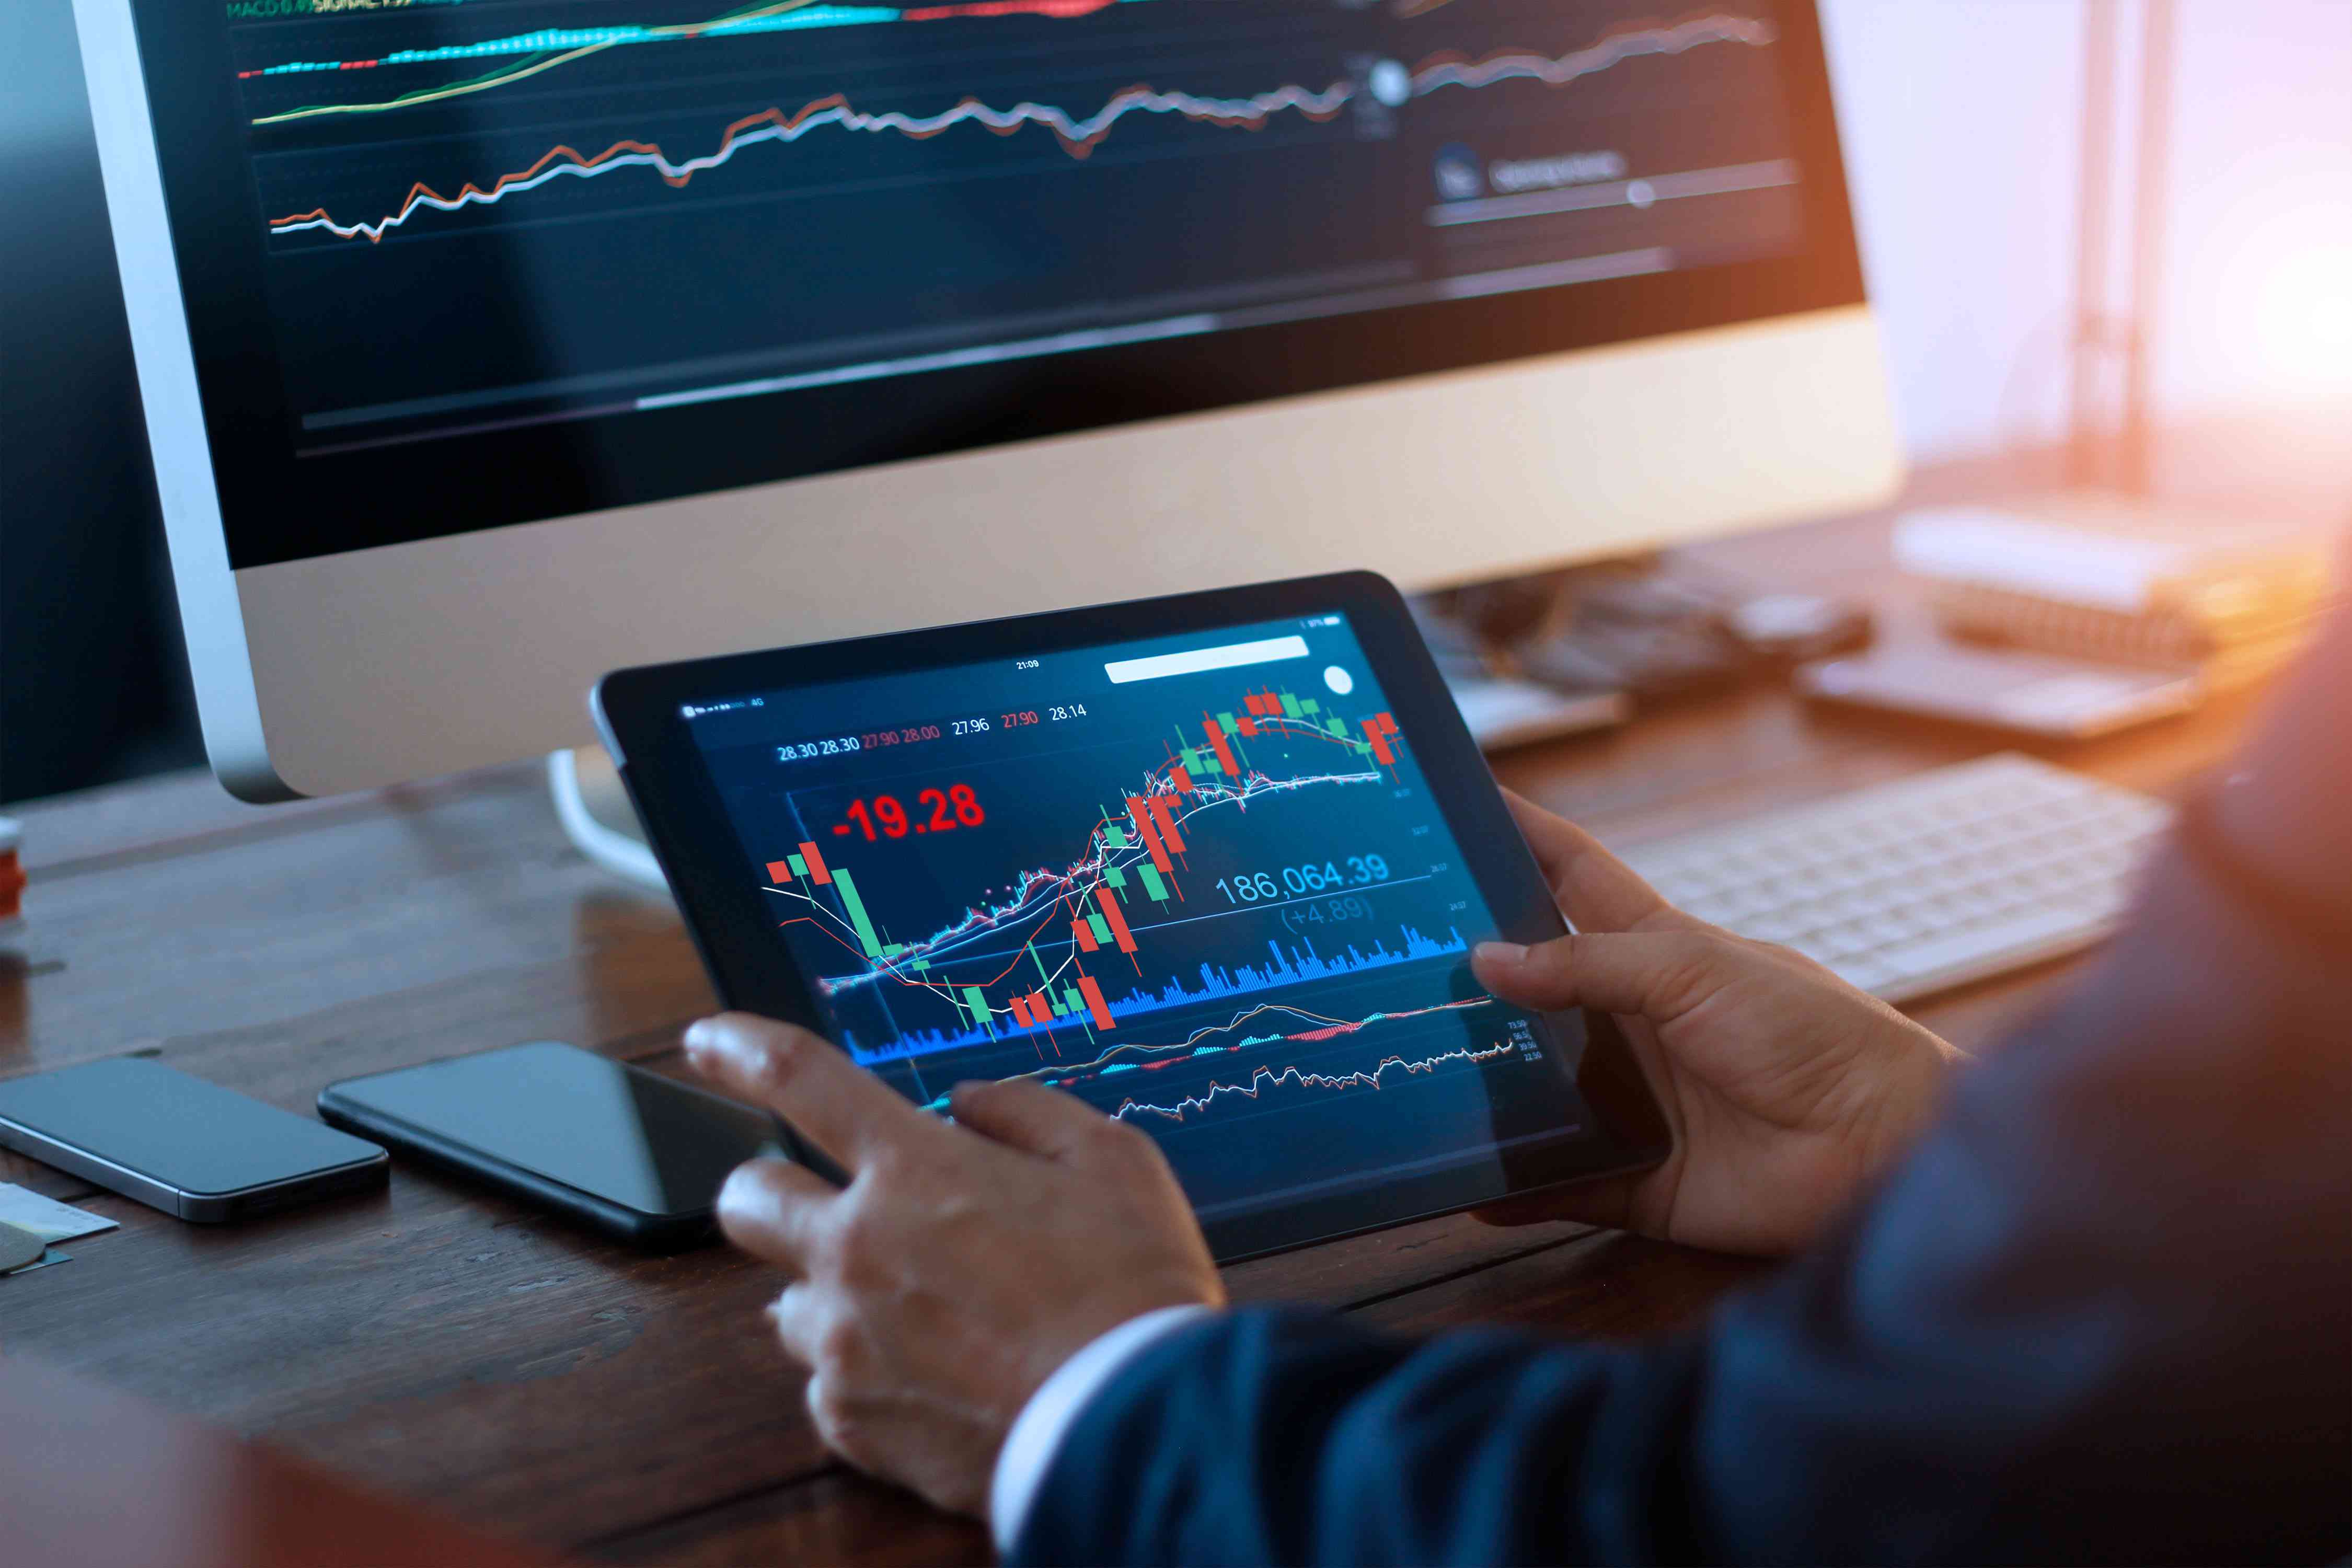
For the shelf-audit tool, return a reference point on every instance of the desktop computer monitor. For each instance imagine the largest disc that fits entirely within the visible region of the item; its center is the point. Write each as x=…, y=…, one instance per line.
x=486, y=346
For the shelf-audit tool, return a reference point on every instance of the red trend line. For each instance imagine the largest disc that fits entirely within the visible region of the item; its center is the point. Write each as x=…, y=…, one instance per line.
x=1153, y=813
x=1162, y=808
x=1079, y=138
x=834, y=108
x=563, y=153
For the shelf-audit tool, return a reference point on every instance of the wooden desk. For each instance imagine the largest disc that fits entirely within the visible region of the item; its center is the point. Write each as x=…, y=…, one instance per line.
x=93, y=1479
x=445, y=1344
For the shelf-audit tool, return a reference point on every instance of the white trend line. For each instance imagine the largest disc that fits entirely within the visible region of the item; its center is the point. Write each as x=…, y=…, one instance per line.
x=1599, y=56
x=1078, y=134
x=978, y=924
x=1265, y=1079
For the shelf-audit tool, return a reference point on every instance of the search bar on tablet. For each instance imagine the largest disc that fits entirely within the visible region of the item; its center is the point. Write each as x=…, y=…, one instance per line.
x=1231, y=656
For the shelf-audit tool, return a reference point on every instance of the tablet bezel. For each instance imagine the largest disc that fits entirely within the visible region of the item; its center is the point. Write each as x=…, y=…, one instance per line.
x=639, y=712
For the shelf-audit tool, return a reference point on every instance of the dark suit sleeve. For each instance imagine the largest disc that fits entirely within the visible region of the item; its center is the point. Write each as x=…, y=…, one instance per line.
x=2104, y=1311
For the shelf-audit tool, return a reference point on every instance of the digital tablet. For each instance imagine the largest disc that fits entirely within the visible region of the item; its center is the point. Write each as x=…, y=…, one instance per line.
x=1214, y=863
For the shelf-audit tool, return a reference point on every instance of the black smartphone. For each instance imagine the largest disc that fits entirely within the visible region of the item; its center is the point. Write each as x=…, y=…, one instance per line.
x=630, y=1152
x=191, y=1149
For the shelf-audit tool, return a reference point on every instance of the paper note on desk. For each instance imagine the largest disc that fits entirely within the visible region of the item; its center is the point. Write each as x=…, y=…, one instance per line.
x=21, y=1251
x=49, y=1260
x=2117, y=588
x=18, y=1248
x=45, y=1217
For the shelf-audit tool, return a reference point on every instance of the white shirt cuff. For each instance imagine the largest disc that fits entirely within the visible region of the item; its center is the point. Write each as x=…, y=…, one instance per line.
x=1037, y=1432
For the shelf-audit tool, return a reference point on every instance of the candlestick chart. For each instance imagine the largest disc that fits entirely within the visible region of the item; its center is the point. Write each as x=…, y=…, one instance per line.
x=1057, y=949
x=1208, y=906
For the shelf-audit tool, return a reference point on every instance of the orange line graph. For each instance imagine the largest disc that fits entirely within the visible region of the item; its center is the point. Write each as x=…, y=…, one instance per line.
x=1078, y=138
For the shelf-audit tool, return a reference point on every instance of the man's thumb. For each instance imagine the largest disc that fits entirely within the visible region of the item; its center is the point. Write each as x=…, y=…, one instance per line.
x=1658, y=974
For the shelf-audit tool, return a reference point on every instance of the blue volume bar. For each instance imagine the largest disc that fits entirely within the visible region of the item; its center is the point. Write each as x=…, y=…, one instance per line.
x=1280, y=969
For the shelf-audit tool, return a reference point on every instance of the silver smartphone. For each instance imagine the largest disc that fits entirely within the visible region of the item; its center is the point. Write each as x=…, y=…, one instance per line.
x=191, y=1149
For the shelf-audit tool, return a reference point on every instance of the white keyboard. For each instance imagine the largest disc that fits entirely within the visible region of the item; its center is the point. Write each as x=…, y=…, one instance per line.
x=1927, y=883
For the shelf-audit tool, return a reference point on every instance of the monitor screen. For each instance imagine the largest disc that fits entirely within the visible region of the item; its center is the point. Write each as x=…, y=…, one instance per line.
x=1197, y=881
x=452, y=264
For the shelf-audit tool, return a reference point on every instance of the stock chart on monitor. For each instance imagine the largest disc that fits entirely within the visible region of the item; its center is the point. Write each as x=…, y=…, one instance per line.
x=479, y=214
x=1199, y=882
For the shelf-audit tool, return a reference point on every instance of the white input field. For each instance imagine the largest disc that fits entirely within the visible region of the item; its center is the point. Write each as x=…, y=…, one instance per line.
x=1233, y=654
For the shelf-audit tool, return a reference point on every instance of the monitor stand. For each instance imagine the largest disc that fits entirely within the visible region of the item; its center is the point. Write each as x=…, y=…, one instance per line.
x=597, y=817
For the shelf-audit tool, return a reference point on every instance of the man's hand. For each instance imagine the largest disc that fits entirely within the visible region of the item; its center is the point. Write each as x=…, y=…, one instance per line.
x=961, y=1265
x=964, y=1263
x=1787, y=1089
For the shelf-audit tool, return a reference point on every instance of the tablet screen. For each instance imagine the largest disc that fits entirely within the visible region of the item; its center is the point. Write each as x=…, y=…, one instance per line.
x=1199, y=881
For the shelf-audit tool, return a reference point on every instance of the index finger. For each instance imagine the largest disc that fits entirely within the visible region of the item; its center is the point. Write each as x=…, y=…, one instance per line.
x=1596, y=891
x=851, y=1114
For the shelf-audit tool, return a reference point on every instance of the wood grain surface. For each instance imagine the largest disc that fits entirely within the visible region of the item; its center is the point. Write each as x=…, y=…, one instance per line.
x=447, y=1344
x=91, y=1477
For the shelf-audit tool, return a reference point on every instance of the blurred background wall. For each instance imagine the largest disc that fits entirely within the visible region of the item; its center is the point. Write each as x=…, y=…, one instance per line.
x=1961, y=125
